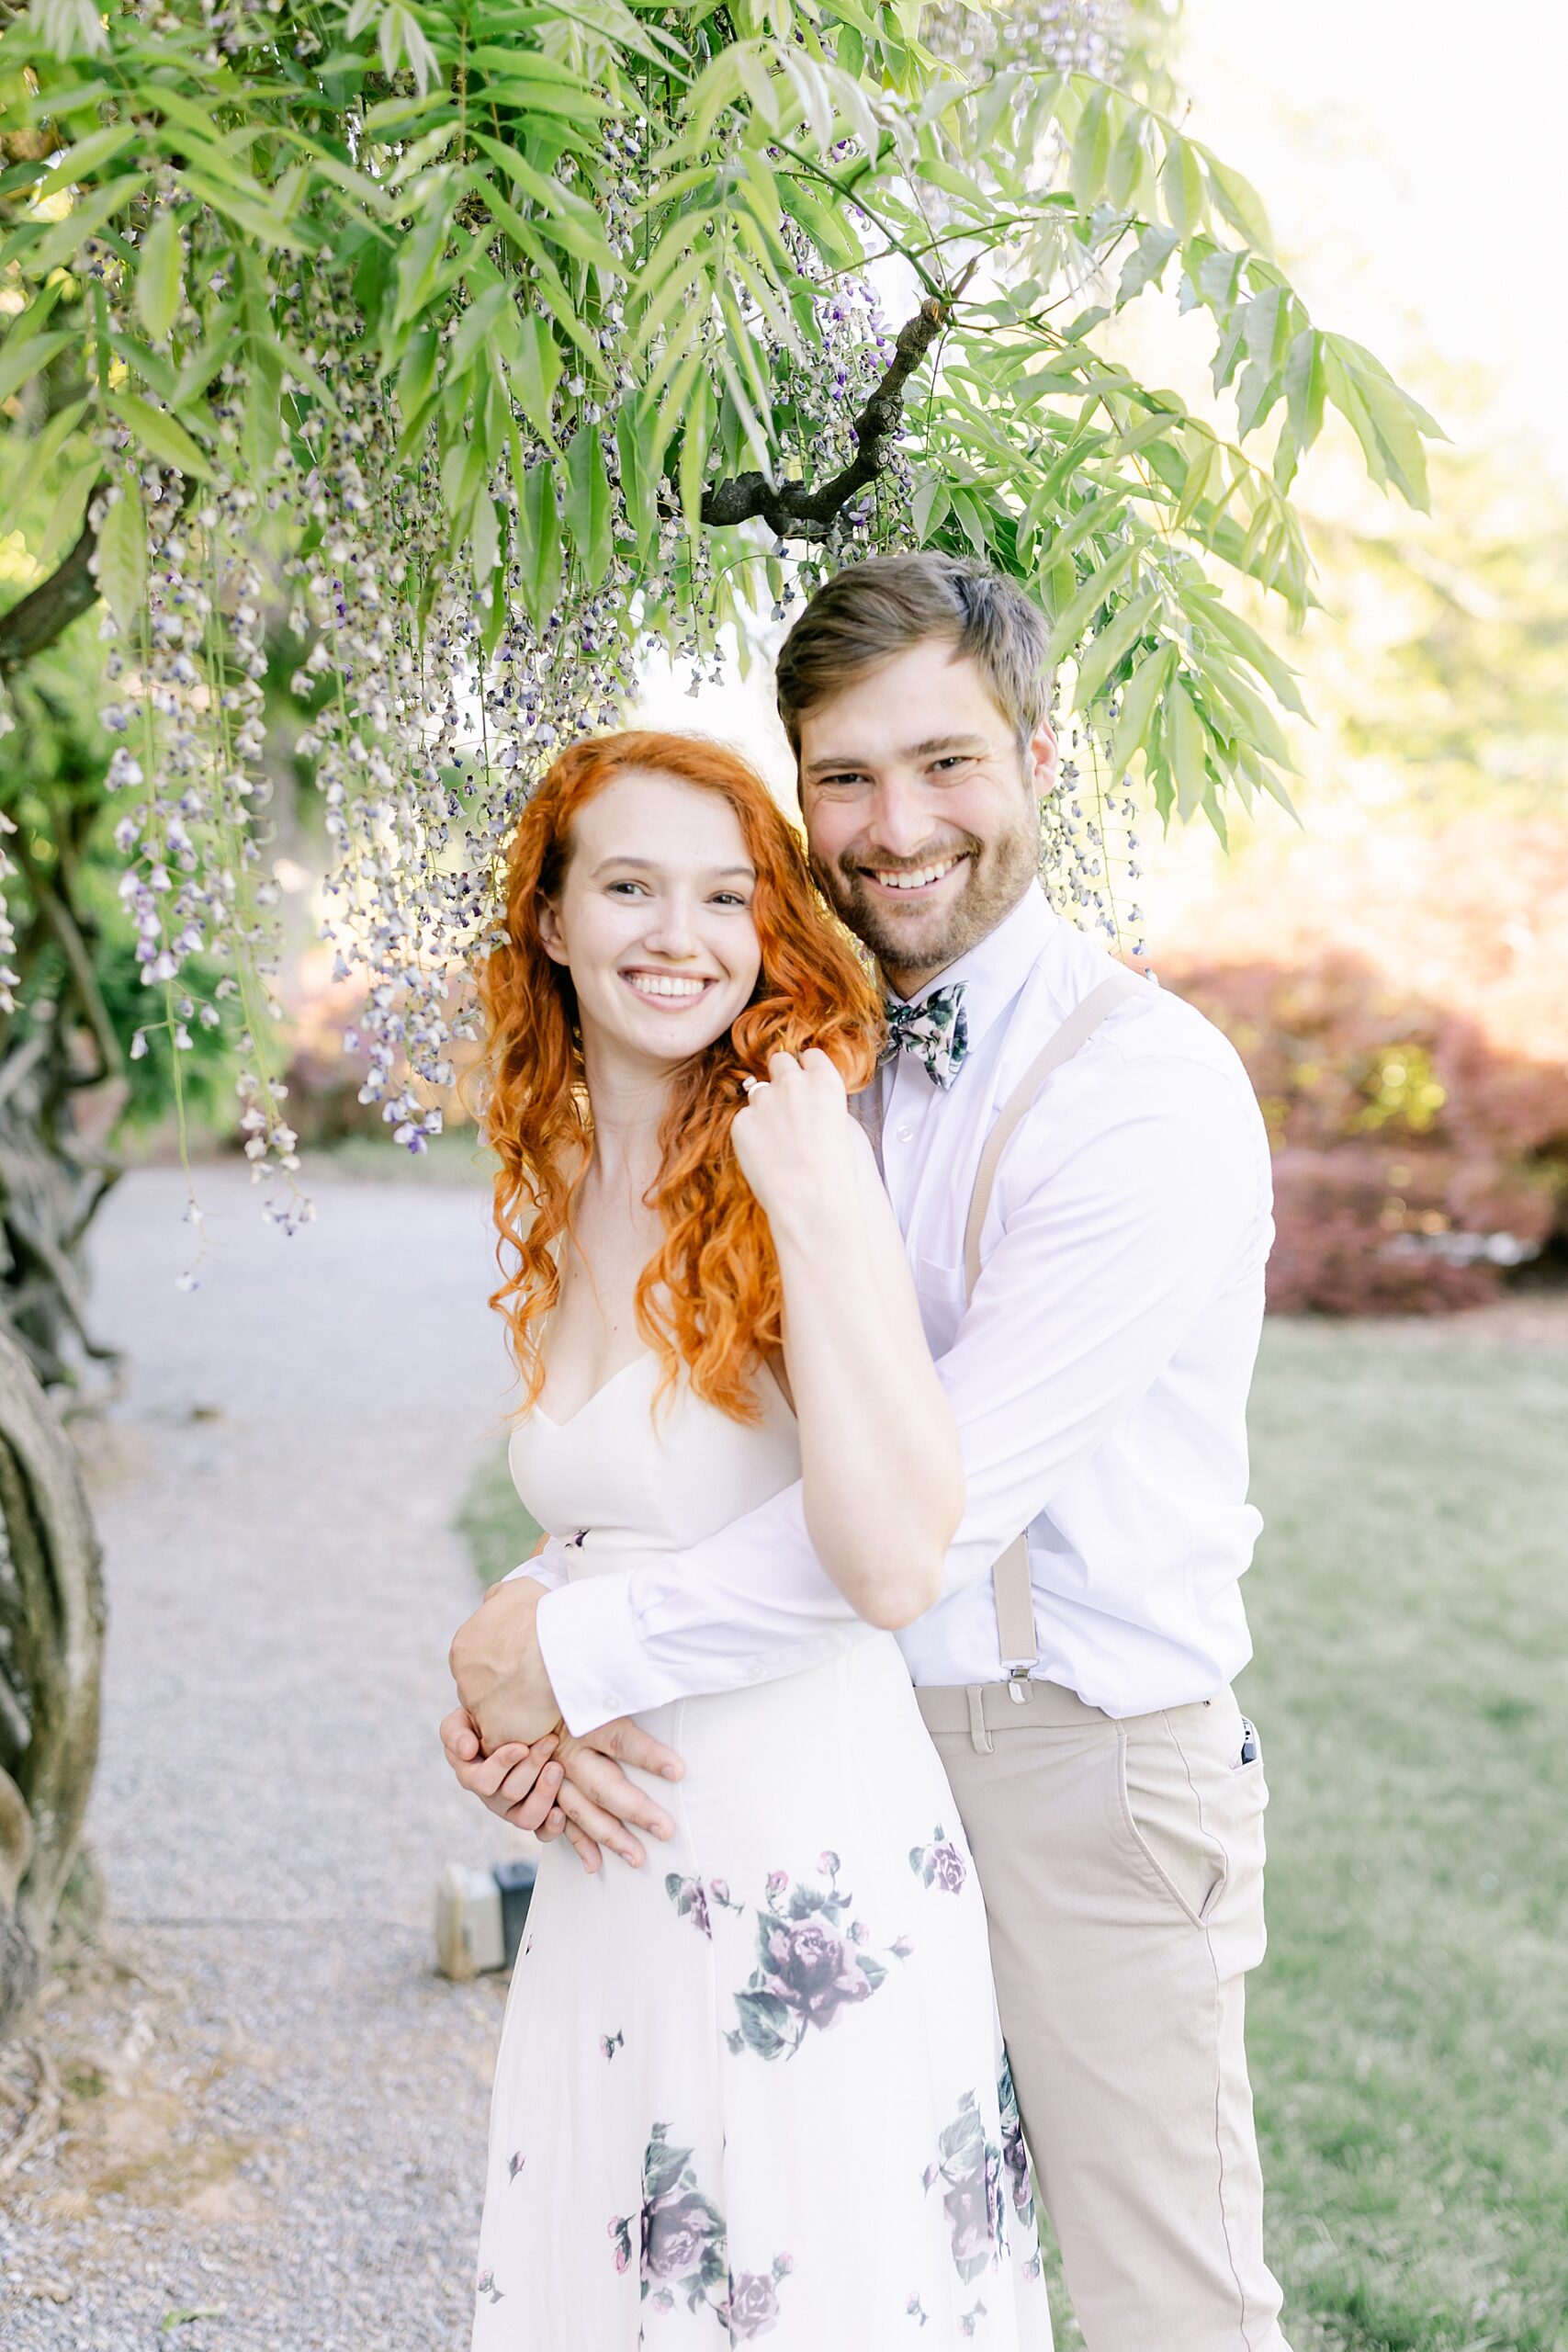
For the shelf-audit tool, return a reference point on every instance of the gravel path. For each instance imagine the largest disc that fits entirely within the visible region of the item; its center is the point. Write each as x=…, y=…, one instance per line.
x=275, y=2110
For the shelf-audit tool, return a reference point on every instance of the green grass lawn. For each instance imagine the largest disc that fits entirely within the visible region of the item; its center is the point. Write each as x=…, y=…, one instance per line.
x=1409, y=2030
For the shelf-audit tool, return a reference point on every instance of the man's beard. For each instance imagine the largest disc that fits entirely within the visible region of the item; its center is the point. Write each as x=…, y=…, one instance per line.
x=998, y=875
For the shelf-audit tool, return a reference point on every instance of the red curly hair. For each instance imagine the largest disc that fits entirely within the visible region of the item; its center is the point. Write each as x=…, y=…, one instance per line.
x=710, y=1301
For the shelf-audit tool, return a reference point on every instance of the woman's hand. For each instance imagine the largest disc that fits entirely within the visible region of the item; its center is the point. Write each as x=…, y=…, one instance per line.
x=794, y=1139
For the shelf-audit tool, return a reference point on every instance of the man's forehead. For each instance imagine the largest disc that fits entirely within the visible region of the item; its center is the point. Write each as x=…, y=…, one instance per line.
x=927, y=690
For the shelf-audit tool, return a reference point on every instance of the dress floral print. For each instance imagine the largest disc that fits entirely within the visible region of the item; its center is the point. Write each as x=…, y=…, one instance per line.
x=724, y=2077
x=939, y=1863
x=809, y=1966
x=684, y=2251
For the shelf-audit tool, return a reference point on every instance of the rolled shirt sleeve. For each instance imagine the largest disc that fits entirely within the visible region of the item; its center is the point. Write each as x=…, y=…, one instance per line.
x=1123, y=1205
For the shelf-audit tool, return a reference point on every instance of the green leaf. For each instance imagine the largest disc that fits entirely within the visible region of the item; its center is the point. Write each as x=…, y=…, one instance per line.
x=930, y=506
x=697, y=433
x=540, y=551
x=1216, y=614
x=416, y=377
x=262, y=427
x=1304, y=386
x=1140, y=699
x=1103, y=514
x=1146, y=263
x=22, y=360
x=1255, y=396
x=1127, y=158
x=1187, y=740
x=833, y=236
x=567, y=216
x=1398, y=434
x=201, y=365
x=1181, y=184
x=535, y=371
x=973, y=520
x=160, y=277
x=45, y=447
x=1080, y=610
x=634, y=440
x=475, y=329
x=1255, y=721
x=263, y=223
x=58, y=245
x=1090, y=149
x=1112, y=644
x=424, y=249
x=1237, y=201
x=161, y=433
x=65, y=515
x=120, y=559
x=86, y=157
x=588, y=507
x=485, y=540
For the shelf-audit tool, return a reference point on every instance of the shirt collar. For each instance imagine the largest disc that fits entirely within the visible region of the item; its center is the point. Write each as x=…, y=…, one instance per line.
x=997, y=967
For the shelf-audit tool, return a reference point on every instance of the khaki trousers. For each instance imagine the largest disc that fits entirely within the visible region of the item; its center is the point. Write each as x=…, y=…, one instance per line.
x=1123, y=1869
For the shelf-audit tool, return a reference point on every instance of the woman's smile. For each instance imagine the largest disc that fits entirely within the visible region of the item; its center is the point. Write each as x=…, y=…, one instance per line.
x=669, y=992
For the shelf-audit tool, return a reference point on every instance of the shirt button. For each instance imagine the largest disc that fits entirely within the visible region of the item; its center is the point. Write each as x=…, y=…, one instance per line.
x=905, y=1135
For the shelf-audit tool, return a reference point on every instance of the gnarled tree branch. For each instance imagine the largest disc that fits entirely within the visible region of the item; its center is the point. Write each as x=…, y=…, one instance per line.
x=788, y=508
x=48, y=610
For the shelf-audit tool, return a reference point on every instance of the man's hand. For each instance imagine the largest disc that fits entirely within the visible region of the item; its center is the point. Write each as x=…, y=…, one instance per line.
x=576, y=1788
x=498, y=1672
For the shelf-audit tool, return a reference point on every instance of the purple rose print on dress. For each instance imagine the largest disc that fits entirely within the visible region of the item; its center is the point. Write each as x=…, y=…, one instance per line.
x=486, y=2288
x=695, y=1902
x=683, y=2247
x=970, y=2170
x=914, y=2309
x=809, y=1965
x=1015, y=2162
x=969, y=2321
x=690, y=1897
x=939, y=1864
x=514, y=2165
x=610, y=2043
x=753, y=2306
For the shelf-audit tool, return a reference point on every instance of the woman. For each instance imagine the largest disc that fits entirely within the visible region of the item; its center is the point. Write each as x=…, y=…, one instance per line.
x=758, y=2090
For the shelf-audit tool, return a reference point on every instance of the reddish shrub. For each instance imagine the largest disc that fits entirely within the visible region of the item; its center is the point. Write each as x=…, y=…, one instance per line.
x=1405, y=1138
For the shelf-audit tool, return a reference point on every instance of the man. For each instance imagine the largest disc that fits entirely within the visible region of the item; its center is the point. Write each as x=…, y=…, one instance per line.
x=1095, y=1329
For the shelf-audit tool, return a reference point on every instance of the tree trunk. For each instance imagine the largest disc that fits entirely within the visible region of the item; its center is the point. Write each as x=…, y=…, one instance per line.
x=52, y=1623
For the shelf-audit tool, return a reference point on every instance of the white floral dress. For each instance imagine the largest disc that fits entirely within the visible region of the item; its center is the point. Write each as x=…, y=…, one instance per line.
x=756, y=2088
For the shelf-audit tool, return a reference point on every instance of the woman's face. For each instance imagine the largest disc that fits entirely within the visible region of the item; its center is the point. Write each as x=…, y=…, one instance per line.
x=653, y=919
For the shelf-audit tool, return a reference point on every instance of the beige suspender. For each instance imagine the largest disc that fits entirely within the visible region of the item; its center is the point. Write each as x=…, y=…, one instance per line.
x=1010, y=1576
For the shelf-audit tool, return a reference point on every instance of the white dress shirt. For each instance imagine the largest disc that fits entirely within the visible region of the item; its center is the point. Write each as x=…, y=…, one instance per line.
x=1099, y=1378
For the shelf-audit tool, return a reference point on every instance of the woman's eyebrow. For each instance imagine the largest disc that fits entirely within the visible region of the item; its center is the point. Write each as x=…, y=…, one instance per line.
x=652, y=866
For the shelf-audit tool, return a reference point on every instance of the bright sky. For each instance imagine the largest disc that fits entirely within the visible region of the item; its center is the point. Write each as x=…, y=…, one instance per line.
x=1410, y=152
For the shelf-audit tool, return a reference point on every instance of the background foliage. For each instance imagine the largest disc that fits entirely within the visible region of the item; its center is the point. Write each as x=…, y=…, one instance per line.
x=493, y=347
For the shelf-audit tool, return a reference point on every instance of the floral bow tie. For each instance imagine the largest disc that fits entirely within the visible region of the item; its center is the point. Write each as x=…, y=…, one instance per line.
x=936, y=1030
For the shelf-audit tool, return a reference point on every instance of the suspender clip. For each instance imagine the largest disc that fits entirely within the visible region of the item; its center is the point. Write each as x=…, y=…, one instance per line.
x=1019, y=1681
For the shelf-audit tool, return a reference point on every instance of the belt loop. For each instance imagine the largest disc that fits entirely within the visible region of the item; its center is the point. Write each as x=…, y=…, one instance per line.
x=979, y=1737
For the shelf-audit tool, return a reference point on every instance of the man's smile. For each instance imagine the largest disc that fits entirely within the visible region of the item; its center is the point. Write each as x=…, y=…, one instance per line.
x=915, y=880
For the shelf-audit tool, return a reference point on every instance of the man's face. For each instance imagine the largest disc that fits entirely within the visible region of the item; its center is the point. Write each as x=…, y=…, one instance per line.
x=921, y=809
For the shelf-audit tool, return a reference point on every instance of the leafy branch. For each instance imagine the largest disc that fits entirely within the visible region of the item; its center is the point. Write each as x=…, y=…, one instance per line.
x=791, y=510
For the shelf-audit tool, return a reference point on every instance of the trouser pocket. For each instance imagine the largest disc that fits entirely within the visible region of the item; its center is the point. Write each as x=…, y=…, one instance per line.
x=1191, y=1798
x=1163, y=1820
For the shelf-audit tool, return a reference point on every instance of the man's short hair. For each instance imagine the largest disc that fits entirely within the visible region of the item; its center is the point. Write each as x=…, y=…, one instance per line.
x=879, y=607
